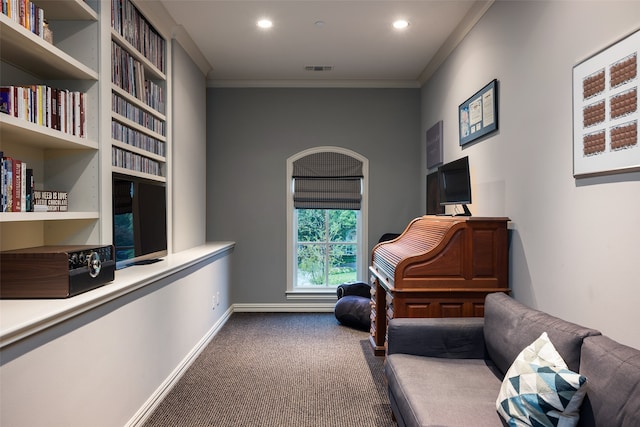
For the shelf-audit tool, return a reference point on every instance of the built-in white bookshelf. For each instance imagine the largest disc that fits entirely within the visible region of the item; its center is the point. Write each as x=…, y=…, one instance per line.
x=139, y=93
x=120, y=123
x=60, y=160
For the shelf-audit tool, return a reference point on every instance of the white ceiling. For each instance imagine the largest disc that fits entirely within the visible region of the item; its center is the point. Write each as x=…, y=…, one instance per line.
x=355, y=38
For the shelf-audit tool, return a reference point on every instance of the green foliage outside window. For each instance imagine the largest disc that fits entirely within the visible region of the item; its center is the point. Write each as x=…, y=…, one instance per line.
x=327, y=246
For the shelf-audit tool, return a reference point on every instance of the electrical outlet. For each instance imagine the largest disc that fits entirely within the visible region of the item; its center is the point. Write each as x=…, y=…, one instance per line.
x=218, y=298
x=215, y=301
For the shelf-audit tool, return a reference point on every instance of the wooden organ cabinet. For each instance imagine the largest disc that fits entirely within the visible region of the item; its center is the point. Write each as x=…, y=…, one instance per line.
x=439, y=266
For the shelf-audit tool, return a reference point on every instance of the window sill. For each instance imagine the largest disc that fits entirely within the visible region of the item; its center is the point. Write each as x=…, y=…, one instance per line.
x=315, y=294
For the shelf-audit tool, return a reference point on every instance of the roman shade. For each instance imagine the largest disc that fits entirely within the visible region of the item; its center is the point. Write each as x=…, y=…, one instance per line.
x=327, y=180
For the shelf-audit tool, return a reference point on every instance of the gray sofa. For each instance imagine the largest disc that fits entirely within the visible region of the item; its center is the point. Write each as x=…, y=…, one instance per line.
x=448, y=372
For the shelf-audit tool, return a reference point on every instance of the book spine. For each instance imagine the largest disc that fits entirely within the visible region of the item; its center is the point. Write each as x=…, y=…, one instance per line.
x=55, y=121
x=23, y=186
x=83, y=115
x=8, y=162
x=48, y=100
x=29, y=190
x=3, y=186
x=6, y=99
x=17, y=186
x=76, y=113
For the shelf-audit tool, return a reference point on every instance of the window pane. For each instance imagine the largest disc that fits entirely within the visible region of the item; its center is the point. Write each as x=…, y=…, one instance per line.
x=342, y=225
x=311, y=265
x=342, y=264
x=311, y=225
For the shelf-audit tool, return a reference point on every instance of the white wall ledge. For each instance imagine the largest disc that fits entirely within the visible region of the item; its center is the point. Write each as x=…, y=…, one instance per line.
x=21, y=318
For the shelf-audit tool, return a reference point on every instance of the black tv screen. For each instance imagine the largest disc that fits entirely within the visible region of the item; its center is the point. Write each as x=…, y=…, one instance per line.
x=139, y=220
x=455, y=183
x=433, y=198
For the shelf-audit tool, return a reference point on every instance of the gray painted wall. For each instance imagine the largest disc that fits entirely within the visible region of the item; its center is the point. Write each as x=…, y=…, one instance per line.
x=574, y=245
x=252, y=132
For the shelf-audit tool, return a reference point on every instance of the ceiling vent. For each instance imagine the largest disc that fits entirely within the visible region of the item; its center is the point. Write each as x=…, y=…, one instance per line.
x=318, y=68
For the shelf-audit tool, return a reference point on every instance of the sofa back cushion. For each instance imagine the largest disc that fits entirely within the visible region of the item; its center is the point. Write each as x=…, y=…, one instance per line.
x=613, y=383
x=510, y=326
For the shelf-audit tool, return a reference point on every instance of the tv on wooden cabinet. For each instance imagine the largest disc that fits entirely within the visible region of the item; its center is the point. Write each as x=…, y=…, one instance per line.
x=139, y=220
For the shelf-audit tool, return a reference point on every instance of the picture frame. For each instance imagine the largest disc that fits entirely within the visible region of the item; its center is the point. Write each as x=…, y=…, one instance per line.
x=606, y=110
x=434, y=145
x=478, y=115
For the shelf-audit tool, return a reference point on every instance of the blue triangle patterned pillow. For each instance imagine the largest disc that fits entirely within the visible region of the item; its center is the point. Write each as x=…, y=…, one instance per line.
x=539, y=390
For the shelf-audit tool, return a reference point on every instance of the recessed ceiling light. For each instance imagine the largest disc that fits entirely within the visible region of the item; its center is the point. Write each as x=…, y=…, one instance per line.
x=400, y=24
x=265, y=23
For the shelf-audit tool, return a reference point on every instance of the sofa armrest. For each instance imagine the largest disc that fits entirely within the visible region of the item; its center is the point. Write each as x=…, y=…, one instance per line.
x=454, y=338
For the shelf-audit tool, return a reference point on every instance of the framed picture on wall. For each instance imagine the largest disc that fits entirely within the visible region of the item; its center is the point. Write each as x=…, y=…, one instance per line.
x=478, y=115
x=605, y=110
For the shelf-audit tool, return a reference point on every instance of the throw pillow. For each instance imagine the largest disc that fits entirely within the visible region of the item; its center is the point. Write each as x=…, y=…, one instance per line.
x=539, y=390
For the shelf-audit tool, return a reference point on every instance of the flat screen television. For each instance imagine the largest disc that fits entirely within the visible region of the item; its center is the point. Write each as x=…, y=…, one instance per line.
x=433, y=198
x=454, y=183
x=139, y=220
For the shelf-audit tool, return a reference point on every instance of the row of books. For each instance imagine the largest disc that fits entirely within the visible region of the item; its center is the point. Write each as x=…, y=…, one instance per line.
x=128, y=73
x=121, y=106
x=58, y=109
x=127, y=21
x=135, y=162
x=154, y=96
x=137, y=139
x=25, y=13
x=17, y=185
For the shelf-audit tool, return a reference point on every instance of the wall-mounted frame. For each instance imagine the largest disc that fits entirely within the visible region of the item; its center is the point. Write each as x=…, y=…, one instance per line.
x=478, y=115
x=434, y=145
x=605, y=110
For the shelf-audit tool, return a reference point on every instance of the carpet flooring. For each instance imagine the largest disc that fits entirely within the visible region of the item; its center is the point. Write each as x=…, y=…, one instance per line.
x=280, y=369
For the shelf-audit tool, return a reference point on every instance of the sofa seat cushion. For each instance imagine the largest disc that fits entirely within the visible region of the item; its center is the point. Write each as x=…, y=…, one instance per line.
x=443, y=392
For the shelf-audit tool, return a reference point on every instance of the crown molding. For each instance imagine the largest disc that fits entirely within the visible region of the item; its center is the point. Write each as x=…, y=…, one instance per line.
x=380, y=84
x=181, y=36
x=472, y=17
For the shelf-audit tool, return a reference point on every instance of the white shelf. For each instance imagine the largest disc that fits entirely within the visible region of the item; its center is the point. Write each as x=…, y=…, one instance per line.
x=130, y=172
x=138, y=103
x=137, y=127
x=13, y=128
x=137, y=150
x=22, y=318
x=27, y=51
x=68, y=10
x=6, y=217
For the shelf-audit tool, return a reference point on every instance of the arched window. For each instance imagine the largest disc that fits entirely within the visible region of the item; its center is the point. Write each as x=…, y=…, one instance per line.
x=326, y=219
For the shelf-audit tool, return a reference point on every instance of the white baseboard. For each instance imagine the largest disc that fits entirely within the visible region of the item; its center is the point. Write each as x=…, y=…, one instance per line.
x=154, y=400
x=321, y=307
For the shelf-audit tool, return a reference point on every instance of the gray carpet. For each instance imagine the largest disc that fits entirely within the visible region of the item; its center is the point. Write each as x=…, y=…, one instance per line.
x=281, y=369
